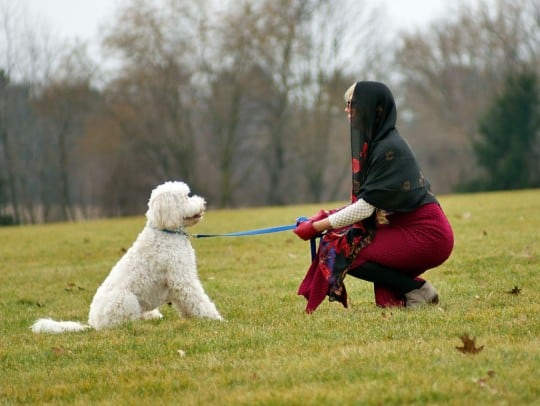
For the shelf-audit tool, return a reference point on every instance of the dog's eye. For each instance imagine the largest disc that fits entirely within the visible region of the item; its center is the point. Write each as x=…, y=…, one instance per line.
x=190, y=194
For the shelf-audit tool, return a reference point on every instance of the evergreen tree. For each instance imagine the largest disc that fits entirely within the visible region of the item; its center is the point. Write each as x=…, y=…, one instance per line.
x=508, y=145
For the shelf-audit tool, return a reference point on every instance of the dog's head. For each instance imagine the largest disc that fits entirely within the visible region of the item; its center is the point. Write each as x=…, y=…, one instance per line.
x=171, y=207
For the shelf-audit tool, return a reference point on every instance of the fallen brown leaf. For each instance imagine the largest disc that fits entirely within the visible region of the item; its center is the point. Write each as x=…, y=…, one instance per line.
x=58, y=350
x=516, y=291
x=386, y=315
x=469, y=345
x=72, y=286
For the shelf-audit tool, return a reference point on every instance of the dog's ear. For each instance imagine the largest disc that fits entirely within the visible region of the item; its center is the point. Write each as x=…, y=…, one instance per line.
x=161, y=211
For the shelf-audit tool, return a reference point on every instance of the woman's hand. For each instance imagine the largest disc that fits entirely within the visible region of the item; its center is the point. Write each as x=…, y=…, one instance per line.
x=305, y=230
x=322, y=214
x=313, y=227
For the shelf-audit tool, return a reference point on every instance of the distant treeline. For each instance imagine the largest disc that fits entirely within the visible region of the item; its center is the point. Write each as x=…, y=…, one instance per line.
x=245, y=103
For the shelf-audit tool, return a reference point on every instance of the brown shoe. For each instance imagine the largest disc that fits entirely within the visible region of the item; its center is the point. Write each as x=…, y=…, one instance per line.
x=426, y=294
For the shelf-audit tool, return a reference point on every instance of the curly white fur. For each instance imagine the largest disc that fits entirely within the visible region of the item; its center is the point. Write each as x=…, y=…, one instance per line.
x=159, y=268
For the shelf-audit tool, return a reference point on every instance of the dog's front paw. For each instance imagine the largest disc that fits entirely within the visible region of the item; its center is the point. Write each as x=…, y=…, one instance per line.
x=216, y=317
x=152, y=315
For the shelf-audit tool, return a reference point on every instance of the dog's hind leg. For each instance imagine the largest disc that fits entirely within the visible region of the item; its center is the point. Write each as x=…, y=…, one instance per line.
x=111, y=308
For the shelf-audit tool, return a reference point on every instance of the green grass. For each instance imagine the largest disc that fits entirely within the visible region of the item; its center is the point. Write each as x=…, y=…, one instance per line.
x=269, y=351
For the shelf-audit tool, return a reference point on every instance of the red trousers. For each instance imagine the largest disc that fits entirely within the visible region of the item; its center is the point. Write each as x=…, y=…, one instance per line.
x=410, y=243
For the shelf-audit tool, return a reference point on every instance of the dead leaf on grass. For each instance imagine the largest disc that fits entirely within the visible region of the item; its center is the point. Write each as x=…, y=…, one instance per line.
x=30, y=303
x=469, y=345
x=516, y=291
x=72, y=286
x=59, y=350
x=386, y=315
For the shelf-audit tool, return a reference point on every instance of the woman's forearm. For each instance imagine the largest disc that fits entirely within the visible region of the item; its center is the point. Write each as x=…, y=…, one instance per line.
x=322, y=225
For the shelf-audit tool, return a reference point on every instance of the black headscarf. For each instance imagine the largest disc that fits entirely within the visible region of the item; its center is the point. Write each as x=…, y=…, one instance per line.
x=385, y=172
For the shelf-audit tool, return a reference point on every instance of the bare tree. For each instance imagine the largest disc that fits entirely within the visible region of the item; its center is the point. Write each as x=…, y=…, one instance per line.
x=450, y=73
x=7, y=149
x=156, y=48
x=232, y=113
x=279, y=43
x=339, y=53
x=26, y=57
x=64, y=103
x=9, y=57
x=271, y=64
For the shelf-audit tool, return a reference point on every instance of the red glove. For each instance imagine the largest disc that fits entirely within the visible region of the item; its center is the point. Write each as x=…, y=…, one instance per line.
x=322, y=214
x=305, y=230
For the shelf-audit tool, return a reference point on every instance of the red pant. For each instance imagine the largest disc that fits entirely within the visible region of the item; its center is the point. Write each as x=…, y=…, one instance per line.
x=411, y=243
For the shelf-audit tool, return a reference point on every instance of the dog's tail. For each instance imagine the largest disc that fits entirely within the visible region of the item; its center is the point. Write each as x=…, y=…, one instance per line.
x=53, y=326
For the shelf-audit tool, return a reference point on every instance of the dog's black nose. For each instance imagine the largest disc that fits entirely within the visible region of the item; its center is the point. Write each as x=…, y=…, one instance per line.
x=190, y=194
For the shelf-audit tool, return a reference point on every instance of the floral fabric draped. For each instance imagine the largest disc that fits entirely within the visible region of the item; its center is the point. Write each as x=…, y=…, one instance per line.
x=337, y=250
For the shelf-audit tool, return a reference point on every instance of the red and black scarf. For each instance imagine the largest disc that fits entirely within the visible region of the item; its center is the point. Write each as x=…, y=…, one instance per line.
x=385, y=171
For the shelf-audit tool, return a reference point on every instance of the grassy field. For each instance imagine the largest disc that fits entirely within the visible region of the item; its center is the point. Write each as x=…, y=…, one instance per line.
x=269, y=352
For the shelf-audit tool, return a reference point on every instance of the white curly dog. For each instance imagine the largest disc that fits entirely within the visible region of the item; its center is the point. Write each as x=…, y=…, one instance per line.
x=159, y=268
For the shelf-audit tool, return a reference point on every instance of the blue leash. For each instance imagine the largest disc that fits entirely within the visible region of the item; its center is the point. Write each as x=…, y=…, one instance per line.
x=250, y=232
x=268, y=230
